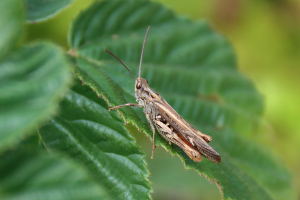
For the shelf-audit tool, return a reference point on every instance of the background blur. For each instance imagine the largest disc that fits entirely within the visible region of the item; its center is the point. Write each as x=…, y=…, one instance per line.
x=266, y=37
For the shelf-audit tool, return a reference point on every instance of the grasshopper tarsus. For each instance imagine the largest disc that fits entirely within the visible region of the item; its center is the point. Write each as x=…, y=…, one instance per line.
x=153, y=148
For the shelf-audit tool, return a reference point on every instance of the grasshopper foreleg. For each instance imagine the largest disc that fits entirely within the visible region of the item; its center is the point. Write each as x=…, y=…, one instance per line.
x=153, y=131
x=127, y=104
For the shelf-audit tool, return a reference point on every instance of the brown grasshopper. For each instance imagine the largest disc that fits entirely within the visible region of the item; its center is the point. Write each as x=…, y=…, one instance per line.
x=167, y=121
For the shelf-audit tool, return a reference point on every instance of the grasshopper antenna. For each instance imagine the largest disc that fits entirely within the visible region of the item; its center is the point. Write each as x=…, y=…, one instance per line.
x=143, y=51
x=120, y=62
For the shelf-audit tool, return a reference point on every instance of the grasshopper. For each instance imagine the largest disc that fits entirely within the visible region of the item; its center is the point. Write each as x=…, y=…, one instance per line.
x=167, y=121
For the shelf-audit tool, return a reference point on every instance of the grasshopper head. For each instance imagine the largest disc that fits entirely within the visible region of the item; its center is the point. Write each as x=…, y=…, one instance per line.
x=141, y=86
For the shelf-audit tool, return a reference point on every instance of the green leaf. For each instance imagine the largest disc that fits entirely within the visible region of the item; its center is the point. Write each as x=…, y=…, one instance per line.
x=195, y=70
x=31, y=83
x=38, y=10
x=177, y=48
x=11, y=25
x=27, y=173
x=86, y=131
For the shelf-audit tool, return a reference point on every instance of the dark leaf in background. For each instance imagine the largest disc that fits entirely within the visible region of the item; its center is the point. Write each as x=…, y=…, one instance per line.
x=32, y=81
x=29, y=173
x=38, y=10
x=11, y=25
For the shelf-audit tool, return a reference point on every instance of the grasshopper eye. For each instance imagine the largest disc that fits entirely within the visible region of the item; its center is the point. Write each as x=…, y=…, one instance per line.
x=138, y=86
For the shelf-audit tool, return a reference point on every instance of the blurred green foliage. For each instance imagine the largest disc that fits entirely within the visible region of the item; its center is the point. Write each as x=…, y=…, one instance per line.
x=266, y=37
